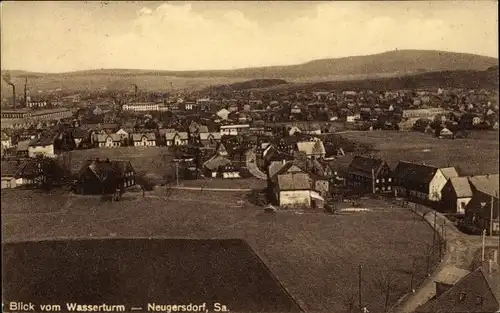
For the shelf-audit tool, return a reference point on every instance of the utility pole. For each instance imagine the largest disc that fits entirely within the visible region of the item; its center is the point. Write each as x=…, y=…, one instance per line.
x=177, y=172
x=373, y=181
x=443, y=241
x=359, y=287
x=412, y=274
x=434, y=232
x=482, y=245
x=428, y=261
x=491, y=216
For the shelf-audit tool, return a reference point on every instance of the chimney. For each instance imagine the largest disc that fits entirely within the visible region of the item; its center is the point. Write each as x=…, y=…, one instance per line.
x=26, y=92
x=13, y=95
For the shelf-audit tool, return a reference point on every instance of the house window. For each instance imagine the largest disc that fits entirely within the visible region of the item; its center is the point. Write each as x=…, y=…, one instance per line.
x=389, y=188
x=383, y=180
x=462, y=296
x=389, y=180
x=377, y=181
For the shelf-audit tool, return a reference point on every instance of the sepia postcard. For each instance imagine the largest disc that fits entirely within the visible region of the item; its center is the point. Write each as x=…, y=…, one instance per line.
x=250, y=156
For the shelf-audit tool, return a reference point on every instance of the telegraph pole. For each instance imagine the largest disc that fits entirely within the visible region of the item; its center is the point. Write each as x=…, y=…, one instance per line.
x=491, y=216
x=443, y=241
x=434, y=233
x=428, y=261
x=177, y=172
x=359, y=286
x=373, y=181
x=482, y=245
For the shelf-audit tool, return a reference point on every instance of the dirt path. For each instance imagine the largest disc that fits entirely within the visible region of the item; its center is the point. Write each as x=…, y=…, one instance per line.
x=460, y=249
x=251, y=164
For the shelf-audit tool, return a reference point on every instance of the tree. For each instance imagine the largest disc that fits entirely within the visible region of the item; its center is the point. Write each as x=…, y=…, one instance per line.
x=144, y=183
x=421, y=124
x=386, y=283
x=350, y=303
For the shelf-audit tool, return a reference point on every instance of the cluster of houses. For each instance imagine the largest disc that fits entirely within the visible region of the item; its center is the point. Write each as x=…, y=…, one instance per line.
x=311, y=181
x=473, y=197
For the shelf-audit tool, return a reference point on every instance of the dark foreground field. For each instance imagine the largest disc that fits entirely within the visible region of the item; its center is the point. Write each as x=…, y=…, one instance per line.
x=315, y=256
x=135, y=272
x=476, y=155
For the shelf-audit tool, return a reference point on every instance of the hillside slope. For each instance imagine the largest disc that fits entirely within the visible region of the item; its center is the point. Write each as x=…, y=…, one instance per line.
x=389, y=64
x=488, y=79
x=399, y=61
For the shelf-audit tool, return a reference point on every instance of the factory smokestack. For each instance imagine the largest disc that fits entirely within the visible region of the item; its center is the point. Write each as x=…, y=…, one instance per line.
x=26, y=92
x=13, y=95
x=7, y=79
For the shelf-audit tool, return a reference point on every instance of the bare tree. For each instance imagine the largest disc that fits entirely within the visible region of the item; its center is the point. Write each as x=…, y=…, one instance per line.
x=350, y=303
x=386, y=283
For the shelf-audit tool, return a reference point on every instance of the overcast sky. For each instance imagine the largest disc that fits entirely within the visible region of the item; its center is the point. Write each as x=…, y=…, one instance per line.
x=67, y=36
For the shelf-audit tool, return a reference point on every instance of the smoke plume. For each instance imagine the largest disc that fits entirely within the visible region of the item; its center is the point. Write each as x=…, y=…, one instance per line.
x=7, y=79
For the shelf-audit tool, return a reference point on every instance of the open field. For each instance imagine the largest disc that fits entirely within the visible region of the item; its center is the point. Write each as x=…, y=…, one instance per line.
x=314, y=255
x=211, y=271
x=478, y=154
x=153, y=160
x=240, y=183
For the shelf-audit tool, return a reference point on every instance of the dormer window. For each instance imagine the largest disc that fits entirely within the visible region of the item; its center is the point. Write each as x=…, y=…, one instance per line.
x=462, y=296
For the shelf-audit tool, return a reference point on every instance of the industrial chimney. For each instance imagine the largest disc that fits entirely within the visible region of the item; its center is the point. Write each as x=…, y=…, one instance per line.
x=13, y=95
x=7, y=79
x=26, y=92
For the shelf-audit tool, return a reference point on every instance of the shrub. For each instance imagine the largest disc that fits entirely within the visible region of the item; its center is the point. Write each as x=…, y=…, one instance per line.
x=469, y=229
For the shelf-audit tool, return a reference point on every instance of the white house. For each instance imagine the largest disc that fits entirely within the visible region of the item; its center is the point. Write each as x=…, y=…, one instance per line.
x=141, y=107
x=350, y=118
x=6, y=141
x=421, y=181
x=313, y=149
x=42, y=147
x=108, y=141
x=144, y=140
x=122, y=133
x=223, y=114
x=456, y=194
x=233, y=130
x=176, y=138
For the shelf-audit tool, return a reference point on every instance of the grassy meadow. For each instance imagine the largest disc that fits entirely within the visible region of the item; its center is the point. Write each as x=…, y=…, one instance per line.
x=475, y=155
x=315, y=256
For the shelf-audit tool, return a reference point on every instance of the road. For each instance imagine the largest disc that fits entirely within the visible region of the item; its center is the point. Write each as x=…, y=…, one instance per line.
x=250, y=159
x=460, y=250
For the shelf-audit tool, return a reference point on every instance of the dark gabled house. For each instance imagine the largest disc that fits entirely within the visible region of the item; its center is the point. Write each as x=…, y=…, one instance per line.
x=105, y=177
x=272, y=153
x=220, y=166
x=420, y=181
x=478, y=292
x=455, y=195
x=288, y=184
x=482, y=209
x=79, y=136
x=369, y=175
x=21, y=173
